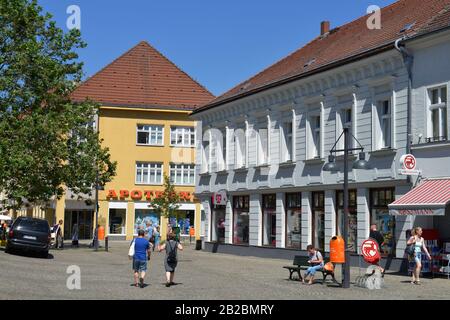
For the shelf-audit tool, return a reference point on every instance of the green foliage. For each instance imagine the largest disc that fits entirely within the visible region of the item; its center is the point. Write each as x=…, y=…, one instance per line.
x=167, y=202
x=46, y=140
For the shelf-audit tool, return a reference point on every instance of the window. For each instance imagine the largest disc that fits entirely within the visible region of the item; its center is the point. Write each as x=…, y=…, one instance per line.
x=150, y=135
x=438, y=114
x=263, y=146
x=269, y=218
x=117, y=218
x=206, y=152
x=241, y=219
x=222, y=155
x=293, y=220
x=287, y=142
x=352, y=218
x=148, y=173
x=182, y=174
x=318, y=220
x=384, y=125
x=182, y=136
x=240, y=141
x=315, y=139
x=379, y=201
x=344, y=120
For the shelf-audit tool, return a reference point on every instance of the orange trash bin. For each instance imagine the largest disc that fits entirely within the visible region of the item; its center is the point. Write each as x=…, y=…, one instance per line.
x=337, y=250
x=101, y=233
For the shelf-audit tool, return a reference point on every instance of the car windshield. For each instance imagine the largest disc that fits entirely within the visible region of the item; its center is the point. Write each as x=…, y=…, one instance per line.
x=34, y=225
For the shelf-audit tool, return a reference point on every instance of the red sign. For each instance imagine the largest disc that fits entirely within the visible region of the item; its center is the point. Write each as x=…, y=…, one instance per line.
x=147, y=194
x=410, y=162
x=370, y=251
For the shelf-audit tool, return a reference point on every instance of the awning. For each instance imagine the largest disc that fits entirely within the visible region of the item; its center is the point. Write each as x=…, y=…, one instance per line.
x=430, y=198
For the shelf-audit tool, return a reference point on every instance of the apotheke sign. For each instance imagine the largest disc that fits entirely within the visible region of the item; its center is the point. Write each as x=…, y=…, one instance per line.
x=148, y=194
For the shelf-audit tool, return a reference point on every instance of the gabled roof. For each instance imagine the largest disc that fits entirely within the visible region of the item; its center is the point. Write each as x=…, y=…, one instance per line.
x=143, y=77
x=345, y=43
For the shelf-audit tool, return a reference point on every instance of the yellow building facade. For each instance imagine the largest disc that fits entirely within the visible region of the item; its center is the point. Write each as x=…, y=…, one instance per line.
x=145, y=102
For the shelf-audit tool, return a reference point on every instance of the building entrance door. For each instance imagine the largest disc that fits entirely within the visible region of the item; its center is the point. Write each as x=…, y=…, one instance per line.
x=81, y=219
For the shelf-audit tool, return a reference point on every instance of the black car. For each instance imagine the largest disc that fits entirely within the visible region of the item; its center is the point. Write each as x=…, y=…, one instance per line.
x=29, y=234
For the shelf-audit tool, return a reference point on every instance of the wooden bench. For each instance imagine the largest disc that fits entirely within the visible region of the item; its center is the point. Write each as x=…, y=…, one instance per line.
x=301, y=263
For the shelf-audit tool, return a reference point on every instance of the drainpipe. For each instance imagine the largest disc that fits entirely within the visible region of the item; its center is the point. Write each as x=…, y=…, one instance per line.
x=408, y=60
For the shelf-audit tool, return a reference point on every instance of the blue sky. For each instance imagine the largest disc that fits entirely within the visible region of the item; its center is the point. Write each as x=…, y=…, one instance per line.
x=220, y=43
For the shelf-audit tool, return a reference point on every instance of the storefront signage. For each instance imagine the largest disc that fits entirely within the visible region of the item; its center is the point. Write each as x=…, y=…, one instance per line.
x=220, y=198
x=418, y=212
x=147, y=194
x=370, y=251
x=408, y=165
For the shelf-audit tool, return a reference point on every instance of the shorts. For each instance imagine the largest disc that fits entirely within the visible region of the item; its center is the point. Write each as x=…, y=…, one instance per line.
x=418, y=257
x=139, y=266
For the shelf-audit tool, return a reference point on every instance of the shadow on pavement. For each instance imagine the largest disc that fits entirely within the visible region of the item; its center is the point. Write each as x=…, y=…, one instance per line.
x=31, y=254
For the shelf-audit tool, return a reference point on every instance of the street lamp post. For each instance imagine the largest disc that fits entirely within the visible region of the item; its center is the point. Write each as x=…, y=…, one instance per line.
x=361, y=163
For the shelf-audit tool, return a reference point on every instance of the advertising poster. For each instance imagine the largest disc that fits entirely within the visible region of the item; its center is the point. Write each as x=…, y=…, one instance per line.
x=144, y=218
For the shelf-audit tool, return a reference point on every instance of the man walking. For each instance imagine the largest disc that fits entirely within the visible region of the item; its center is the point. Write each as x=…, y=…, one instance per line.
x=142, y=250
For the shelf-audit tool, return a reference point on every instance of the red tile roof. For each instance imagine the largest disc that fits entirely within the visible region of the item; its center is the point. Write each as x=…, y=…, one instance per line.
x=342, y=43
x=143, y=77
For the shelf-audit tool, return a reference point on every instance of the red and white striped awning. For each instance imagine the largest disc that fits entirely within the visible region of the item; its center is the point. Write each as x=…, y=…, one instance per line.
x=429, y=198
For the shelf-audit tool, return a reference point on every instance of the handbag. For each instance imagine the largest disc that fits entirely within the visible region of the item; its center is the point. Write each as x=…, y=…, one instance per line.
x=131, y=251
x=409, y=250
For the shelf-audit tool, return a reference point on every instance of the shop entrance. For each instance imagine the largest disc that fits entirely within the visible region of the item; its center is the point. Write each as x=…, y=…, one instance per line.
x=81, y=220
x=218, y=227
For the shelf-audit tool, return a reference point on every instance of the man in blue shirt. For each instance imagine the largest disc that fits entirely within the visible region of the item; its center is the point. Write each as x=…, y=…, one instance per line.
x=142, y=250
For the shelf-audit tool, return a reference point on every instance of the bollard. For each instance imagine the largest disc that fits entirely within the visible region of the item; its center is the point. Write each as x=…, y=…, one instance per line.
x=106, y=243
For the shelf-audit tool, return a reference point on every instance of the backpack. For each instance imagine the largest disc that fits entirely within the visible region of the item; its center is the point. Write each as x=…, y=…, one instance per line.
x=172, y=255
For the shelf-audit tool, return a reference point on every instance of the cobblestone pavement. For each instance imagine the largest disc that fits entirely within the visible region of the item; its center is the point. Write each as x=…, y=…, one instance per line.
x=200, y=275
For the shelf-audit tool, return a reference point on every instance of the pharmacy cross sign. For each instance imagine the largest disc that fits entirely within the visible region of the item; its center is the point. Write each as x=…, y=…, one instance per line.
x=370, y=251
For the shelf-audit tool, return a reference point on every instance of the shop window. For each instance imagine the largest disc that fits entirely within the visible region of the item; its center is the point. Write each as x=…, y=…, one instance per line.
x=145, y=219
x=182, y=174
x=182, y=136
x=149, y=173
x=218, y=227
x=379, y=201
x=269, y=219
x=117, y=220
x=241, y=221
x=182, y=221
x=352, y=218
x=437, y=98
x=150, y=135
x=318, y=220
x=293, y=220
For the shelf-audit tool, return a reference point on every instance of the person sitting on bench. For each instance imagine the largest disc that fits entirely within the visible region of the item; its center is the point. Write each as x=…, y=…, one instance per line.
x=316, y=262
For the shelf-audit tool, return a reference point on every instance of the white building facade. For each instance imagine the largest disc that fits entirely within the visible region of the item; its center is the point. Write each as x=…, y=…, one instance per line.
x=263, y=153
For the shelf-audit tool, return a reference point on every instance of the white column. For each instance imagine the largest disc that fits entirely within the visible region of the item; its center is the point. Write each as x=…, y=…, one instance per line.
x=402, y=223
x=281, y=221
x=363, y=215
x=306, y=220
x=330, y=217
x=208, y=213
x=255, y=232
x=229, y=222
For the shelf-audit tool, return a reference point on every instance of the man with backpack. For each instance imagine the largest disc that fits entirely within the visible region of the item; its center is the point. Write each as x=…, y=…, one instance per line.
x=140, y=251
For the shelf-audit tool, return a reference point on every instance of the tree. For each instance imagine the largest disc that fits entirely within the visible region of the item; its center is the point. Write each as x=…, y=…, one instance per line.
x=167, y=202
x=46, y=140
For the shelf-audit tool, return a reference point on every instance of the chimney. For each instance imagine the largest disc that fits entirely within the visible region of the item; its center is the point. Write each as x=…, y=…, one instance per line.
x=324, y=27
